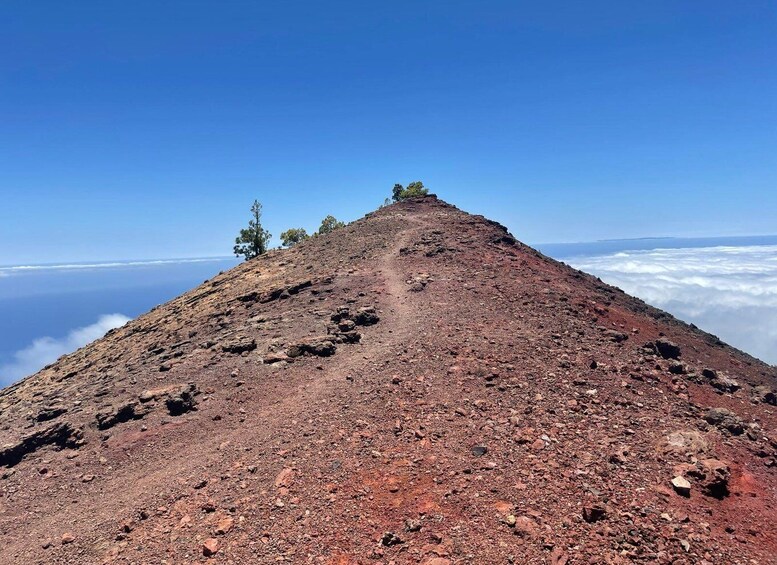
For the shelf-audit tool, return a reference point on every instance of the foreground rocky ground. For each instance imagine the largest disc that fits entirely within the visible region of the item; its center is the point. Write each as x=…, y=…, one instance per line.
x=417, y=387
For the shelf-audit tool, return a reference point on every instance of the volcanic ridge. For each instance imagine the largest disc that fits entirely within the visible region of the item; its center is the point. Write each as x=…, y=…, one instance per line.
x=415, y=387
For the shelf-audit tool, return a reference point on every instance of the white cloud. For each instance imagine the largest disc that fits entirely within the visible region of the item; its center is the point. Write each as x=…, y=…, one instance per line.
x=728, y=291
x=45, y=350
x=16, y=269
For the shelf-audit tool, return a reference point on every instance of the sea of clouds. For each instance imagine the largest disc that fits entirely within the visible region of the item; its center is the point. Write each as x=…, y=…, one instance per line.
x=728, y=291
x=45, y=350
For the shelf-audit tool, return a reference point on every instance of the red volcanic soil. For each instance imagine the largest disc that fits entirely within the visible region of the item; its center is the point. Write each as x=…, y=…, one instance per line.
x=416, y=387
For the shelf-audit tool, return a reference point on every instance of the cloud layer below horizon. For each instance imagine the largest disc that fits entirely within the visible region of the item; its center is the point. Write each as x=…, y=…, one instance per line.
x=45, y=350
x=728, y=291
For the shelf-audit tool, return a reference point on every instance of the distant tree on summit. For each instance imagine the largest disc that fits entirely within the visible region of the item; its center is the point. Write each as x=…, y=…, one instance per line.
x=413, y=189
x=329, y=224
x=252, y=240
x=293, y=236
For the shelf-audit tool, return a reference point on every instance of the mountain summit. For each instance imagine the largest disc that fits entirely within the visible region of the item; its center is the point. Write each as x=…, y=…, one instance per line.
x=415, y=387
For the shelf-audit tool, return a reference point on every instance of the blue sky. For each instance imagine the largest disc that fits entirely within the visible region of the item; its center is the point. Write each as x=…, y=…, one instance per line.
x=145, y=129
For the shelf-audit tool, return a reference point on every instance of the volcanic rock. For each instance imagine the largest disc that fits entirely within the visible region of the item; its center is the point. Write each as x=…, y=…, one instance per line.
x=714, y=477
x=667, y=349
x=725, y=419
x=762, y=393
x=725, y=384
x=210, y=547
x=682, y=486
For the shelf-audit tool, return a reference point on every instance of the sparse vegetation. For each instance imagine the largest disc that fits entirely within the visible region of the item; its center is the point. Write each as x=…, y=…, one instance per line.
x=293, y=236
x=413, y=189
x=252, y=240
x=329, y=224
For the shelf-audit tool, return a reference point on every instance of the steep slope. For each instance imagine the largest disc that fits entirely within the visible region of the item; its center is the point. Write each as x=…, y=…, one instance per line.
x=417, y=387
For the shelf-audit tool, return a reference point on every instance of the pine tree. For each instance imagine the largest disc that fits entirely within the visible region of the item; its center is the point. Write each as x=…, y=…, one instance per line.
x=252, y=240
x=328, y=224
x=293, y=236
x=413, y=189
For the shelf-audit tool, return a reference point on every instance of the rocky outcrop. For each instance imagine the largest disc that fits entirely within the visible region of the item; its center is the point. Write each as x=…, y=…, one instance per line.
x=61, y=435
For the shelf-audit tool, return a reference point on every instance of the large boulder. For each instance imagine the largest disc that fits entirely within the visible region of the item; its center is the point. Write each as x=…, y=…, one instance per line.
x=320, y=347
x=366, y=316
x=667, y=349
x=764, y=394
x=725, y=419
x=685, y=443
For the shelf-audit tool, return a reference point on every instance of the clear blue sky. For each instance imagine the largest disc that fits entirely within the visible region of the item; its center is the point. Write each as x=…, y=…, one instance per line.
x=145, y=129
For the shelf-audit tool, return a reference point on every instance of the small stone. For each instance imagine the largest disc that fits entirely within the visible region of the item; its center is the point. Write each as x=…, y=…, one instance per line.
x=224, y=525
x=210, y=547
x=479, y=450
x=390, y=538
x=285, y=478
x=525, y=527
x=681, y=486
x=412, y=525
x=437, y=561
x=594, y=513
x=67, y=537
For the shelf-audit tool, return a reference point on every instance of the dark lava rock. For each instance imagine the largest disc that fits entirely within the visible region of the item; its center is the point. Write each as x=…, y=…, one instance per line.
x=764, y=394
x=616, y=336
x=319, y=347
x=61, y=434
x=390, y=538
x=348, y=337
x=182, y=401
x=49, y=413
x=667, y=349
x=239, y=345
x=714, y=481
x=594, y=513
x=121, y=413
x=366, y=316
x=725, y=384
x=725, y=419
x=709, y=373
x=479, y=450
x=342, y=313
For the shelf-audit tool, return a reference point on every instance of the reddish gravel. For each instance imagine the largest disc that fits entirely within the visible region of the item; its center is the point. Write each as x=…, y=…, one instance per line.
x=416, y=387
